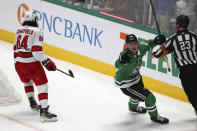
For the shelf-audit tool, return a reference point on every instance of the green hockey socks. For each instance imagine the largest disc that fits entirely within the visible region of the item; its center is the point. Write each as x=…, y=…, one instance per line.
x=133, y=104
x=150, y=105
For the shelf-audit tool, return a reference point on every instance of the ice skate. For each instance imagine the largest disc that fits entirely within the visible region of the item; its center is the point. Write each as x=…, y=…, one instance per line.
x=160, y=119
x=47, y=116
x=33, y=104
x=139, y=109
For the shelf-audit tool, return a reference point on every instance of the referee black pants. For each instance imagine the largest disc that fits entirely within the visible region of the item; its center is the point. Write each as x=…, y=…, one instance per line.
x=188, y=77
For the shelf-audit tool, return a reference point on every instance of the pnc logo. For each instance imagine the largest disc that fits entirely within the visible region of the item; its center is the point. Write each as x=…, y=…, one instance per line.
x=21, y=12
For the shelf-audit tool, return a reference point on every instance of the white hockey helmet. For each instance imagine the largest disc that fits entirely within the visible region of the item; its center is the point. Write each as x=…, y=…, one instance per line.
x=31, y=16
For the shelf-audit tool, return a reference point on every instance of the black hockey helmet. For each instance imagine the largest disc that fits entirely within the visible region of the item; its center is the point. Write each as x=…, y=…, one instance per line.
x=182, y=20
x=130, y=38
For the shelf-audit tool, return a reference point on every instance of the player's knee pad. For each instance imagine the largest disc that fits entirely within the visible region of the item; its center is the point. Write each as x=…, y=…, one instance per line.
x=150, y=100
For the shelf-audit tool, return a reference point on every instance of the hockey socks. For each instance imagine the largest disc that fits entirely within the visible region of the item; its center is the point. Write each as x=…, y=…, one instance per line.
x=29, y=89
x=43, y=95
x=133, y=104
x=150, y=105
x=152, y=110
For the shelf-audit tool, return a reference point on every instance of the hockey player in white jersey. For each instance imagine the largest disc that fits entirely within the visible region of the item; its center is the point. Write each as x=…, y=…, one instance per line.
x=29, y=58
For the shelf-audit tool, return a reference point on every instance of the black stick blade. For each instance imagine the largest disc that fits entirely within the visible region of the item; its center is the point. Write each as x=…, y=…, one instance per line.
x=71, y=73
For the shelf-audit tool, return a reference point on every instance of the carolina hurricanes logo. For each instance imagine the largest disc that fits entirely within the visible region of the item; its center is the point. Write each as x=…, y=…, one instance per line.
x=21, y=12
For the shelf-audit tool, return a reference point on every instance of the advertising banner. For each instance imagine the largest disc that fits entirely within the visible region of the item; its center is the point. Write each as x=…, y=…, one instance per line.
x=86, y=35
x=99, y=39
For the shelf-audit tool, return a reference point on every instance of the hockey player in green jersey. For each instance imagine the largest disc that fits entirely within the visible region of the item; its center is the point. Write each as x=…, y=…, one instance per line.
x=129, y=80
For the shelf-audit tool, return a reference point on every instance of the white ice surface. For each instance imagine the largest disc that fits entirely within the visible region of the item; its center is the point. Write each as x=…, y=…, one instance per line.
x=90, y=102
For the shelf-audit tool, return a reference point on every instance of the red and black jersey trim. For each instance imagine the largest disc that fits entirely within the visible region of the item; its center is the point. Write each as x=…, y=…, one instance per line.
x=36, y=48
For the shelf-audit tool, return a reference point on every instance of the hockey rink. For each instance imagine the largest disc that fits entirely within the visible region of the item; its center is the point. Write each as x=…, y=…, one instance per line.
x=89, y=102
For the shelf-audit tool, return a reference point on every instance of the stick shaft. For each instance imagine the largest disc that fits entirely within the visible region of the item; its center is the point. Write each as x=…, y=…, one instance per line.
x=158, y=29
x=69, y=74
x=154, y=14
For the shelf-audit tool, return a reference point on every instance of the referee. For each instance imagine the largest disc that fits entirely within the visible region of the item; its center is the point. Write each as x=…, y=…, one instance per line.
x=183, y=45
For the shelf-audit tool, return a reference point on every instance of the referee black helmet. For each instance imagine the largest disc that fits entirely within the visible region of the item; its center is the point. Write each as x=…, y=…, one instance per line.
x=182, y=21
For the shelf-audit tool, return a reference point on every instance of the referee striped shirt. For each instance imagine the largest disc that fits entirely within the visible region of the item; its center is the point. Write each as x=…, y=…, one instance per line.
x=183, y=45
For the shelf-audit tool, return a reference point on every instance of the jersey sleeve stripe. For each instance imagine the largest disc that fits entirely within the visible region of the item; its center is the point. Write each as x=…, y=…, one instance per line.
x=36, y=48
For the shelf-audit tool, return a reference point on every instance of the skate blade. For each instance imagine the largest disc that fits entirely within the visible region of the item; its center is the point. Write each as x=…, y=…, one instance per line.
x=45, y=119
x=159, y=122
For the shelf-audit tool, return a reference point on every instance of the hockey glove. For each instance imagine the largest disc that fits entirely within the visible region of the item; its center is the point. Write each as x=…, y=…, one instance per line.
x=125, y=58
x=50, y=65
x=160, y=39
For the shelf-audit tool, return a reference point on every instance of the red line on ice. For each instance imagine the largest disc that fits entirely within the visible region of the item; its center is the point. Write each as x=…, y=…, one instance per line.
x=22, y=123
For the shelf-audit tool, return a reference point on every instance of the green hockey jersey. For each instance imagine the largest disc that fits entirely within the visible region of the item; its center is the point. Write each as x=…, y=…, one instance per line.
x=128, y=74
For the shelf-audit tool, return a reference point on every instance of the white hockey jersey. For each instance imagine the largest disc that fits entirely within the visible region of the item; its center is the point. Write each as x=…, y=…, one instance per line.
x=28, y=45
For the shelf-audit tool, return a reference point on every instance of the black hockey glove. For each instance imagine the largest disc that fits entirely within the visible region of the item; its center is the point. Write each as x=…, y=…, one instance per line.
x=160, y=39
x=125, y=58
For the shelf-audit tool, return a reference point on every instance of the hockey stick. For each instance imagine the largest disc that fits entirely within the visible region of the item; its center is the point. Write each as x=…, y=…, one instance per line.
x=70, y=73
x=158, y=29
